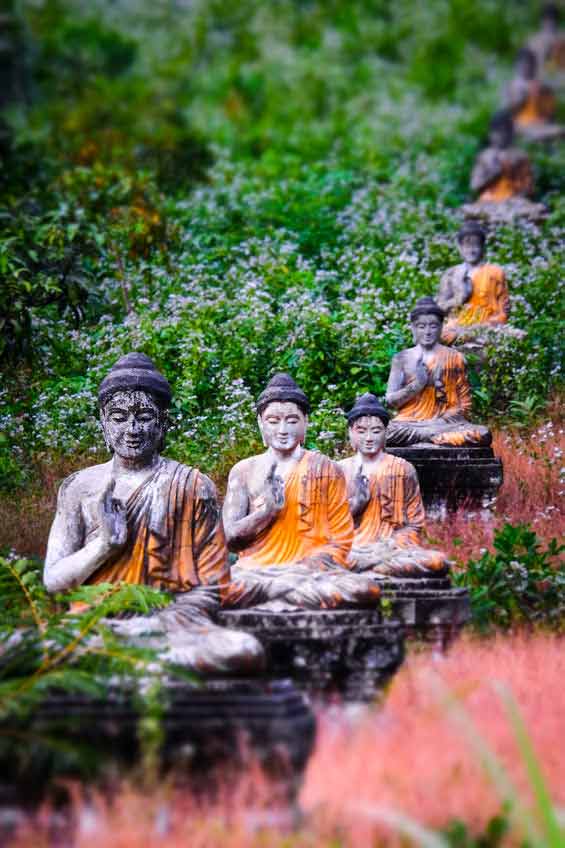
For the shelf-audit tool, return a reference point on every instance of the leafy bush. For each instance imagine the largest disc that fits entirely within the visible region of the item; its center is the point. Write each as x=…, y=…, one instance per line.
x=519, y=582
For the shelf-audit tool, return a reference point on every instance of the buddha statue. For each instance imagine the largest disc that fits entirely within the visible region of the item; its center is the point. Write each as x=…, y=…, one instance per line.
x=428, y=386
x=503, y=179
x=532, y=102
x=474, y=294
x=141, y=518
x=548, y=44
x=385, y=501
x=287, y=516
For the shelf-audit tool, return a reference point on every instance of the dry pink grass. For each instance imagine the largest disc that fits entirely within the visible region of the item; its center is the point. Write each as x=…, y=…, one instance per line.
x=407, y=756
x=532, y=493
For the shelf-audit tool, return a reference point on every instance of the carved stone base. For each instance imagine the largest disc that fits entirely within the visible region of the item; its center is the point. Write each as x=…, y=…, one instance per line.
x=430, y=608
x=453, y=477
x=505, y=211
x=208, y=729
x=351, y=652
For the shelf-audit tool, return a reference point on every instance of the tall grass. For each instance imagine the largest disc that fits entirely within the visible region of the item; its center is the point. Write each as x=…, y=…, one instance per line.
x=408, y=758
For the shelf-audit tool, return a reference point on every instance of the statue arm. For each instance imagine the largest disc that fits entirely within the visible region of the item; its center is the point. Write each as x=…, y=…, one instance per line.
x=487, y=168
x=209, y=542
x=69, y=562
x=463, y=389
x=397, y=393
x=452, y=290
x=241, y=526
x=411, y=531
x=502, y=299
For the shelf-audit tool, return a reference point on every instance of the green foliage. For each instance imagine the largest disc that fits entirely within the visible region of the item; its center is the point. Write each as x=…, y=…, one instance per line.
x=519, y=582
x=237, y=191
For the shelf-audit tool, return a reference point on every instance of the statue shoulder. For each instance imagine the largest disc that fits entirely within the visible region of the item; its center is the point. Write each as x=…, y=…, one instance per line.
x=243, y=468
x=84, y=482
x=494, y=270
x=323, y=465
x=400, y=467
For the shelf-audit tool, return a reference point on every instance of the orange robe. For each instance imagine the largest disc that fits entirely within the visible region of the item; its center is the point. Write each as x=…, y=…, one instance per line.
x=175, y=535
x=314, y=524
x=514, y=180
x=395, y=516
x=538, y=108
x=488, y=304
x=420, y=418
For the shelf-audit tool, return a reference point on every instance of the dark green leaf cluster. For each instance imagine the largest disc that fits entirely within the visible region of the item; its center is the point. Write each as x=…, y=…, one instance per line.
x=519, y=582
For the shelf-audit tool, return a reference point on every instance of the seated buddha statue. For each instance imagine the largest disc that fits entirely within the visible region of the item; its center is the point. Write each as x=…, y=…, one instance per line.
x=144, y=519
x=502, y=177
x=532, y=102
x=385, y=501
x=428, y=386
x=473, y=294
x=548, y=44
x=287, y=516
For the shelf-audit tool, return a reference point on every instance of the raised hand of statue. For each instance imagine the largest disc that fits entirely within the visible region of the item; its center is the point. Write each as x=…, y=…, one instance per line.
x=423, y=375
x=273, y=492
x=113, y=522
x=361, y=493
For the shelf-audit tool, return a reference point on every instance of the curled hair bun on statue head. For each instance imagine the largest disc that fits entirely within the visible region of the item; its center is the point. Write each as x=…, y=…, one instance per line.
x=282, y=388
x=427, y=306
x=135, y=372
x=472, y=228
x=367, y=404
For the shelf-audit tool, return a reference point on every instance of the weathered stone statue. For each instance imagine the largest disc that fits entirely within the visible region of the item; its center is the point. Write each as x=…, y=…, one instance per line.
x=473, y=294
x=385, y=501
x=428, y=386
x=287, y=516
x=531, y=101
x=503, y=179
x=141, y=518
x=548, y=44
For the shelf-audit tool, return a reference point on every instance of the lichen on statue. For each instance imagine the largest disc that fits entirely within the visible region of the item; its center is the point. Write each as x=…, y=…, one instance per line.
x=287, y=516
x=141, y=518
x=502, y=177
x=473, y=294
x=428, y=386
x=385, y=502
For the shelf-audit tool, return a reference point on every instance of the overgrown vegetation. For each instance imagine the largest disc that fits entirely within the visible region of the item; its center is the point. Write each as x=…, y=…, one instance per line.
x=241, y=189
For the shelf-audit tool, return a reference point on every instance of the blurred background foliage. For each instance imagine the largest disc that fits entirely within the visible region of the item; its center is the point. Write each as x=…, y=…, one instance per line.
x=242, y=188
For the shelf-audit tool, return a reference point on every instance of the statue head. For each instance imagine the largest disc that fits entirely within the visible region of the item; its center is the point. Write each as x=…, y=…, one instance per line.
x=526, y=63
x=367, y=420
x=550, y=17
x=471, y=239
x=282, y=414
x=501, y=130
x=134, y=398
x=427, y=320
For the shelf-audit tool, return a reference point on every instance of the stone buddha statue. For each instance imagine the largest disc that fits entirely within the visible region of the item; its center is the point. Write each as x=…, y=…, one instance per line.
x=474, y=294
x=428, y=386
x=141, y=518
x=548, y=44
x=287, y=516
x=385, y=501
x=502, y=177
x=532, y=102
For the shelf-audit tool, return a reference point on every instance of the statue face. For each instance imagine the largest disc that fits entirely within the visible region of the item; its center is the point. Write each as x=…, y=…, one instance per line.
x=283, y=425
x=471, y=248
x=426, y=330
x=500, y=137
x=367, y=435
x=133, y=425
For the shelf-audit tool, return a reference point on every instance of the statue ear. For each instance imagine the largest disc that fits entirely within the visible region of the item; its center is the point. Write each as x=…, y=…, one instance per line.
x=104, y=434
x=260, y=425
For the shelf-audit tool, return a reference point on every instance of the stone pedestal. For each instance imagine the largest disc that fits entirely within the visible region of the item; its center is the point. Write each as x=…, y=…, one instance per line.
x=430, y=608
x=451, y=477
x=208, y=729
x=350, y=652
